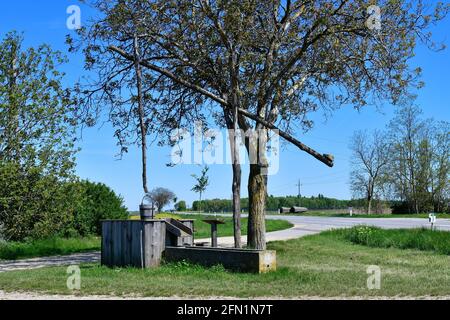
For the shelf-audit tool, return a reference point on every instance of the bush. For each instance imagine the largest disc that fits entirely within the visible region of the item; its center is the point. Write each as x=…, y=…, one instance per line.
x=36, y=205
x=33, y=204
x=96, y=202
x=400, y=207
x=181, y=206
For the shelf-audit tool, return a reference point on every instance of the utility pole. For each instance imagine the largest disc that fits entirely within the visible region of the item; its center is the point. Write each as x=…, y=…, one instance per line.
x=299, y=185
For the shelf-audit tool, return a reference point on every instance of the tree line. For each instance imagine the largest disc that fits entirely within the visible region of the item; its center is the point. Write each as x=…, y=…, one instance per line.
x=275, y=203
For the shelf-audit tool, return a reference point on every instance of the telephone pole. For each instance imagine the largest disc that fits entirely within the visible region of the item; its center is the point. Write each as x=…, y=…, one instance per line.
x=299, y=185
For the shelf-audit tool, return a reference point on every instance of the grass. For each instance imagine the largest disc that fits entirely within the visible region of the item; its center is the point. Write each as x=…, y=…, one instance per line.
x=324, y=265
x=61, y=246
x=420, y=239
x=48, y=247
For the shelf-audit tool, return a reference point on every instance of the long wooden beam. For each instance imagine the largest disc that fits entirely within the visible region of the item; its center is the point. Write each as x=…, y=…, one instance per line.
x=325, y=158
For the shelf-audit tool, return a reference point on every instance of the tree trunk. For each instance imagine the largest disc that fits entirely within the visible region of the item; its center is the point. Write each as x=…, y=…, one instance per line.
x=237, y=176
x=236, y=199
x=369, y=206
x=141, y=112
x=257, y=190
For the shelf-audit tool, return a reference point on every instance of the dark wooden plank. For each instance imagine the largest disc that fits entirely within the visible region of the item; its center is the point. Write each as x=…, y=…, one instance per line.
x=136, y=244
x=148, y=244
x=181, y=225
x=175, y=230
x=104, y=243
x=117, y=243
x=126, y=243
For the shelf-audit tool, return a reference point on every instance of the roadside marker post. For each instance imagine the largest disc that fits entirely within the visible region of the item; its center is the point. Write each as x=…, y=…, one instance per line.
x=432, y=219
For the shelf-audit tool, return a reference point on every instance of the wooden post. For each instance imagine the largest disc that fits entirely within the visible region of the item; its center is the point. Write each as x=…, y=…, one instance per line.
x=214, y=223
x=214, y=235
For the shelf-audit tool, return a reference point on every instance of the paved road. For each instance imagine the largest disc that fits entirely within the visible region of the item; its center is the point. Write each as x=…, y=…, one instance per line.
x=302, y=226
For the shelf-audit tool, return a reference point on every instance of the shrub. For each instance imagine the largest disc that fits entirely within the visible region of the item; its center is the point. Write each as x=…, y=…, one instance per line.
x=401, y=207
x=96, y=202
x=181, y=206
x=33, y=204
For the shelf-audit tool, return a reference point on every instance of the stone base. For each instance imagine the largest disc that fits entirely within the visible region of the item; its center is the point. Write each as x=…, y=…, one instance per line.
x=241, y=260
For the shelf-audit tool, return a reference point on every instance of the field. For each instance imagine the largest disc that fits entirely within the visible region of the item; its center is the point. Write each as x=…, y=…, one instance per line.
x=330, y=264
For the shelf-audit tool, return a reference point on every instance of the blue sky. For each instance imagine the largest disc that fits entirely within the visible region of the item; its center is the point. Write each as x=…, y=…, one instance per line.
x=44, y=21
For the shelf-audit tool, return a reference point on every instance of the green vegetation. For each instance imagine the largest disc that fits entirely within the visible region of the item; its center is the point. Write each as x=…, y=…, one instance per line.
x=48, y=247
x=37, y=135
x=420, y=239
x=96, y=202
x=181, y=206
x=274, y=203
x=319, y=265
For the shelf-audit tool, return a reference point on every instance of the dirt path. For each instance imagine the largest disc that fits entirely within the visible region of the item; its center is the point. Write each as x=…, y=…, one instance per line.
x=35, y=263
x=39, y=296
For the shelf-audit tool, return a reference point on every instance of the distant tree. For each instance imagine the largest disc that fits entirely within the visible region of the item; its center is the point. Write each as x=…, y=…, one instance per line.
x=369, y=163
x=161, y=197
x=202, y=182
x=181, y=206
x=420, y=162
x=440, y=166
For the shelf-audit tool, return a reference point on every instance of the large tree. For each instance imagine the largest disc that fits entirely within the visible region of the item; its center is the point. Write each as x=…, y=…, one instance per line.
x=36, y=141
x=36, y=123
x=274, y=62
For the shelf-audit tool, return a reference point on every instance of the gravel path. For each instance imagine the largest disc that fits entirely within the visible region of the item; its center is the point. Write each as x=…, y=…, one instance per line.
x=40, y=296
x=35, y=263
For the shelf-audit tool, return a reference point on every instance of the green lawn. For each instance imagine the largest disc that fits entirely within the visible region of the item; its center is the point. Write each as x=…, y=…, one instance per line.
x=420, y=239
x=60, y=246
x=328, y=264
